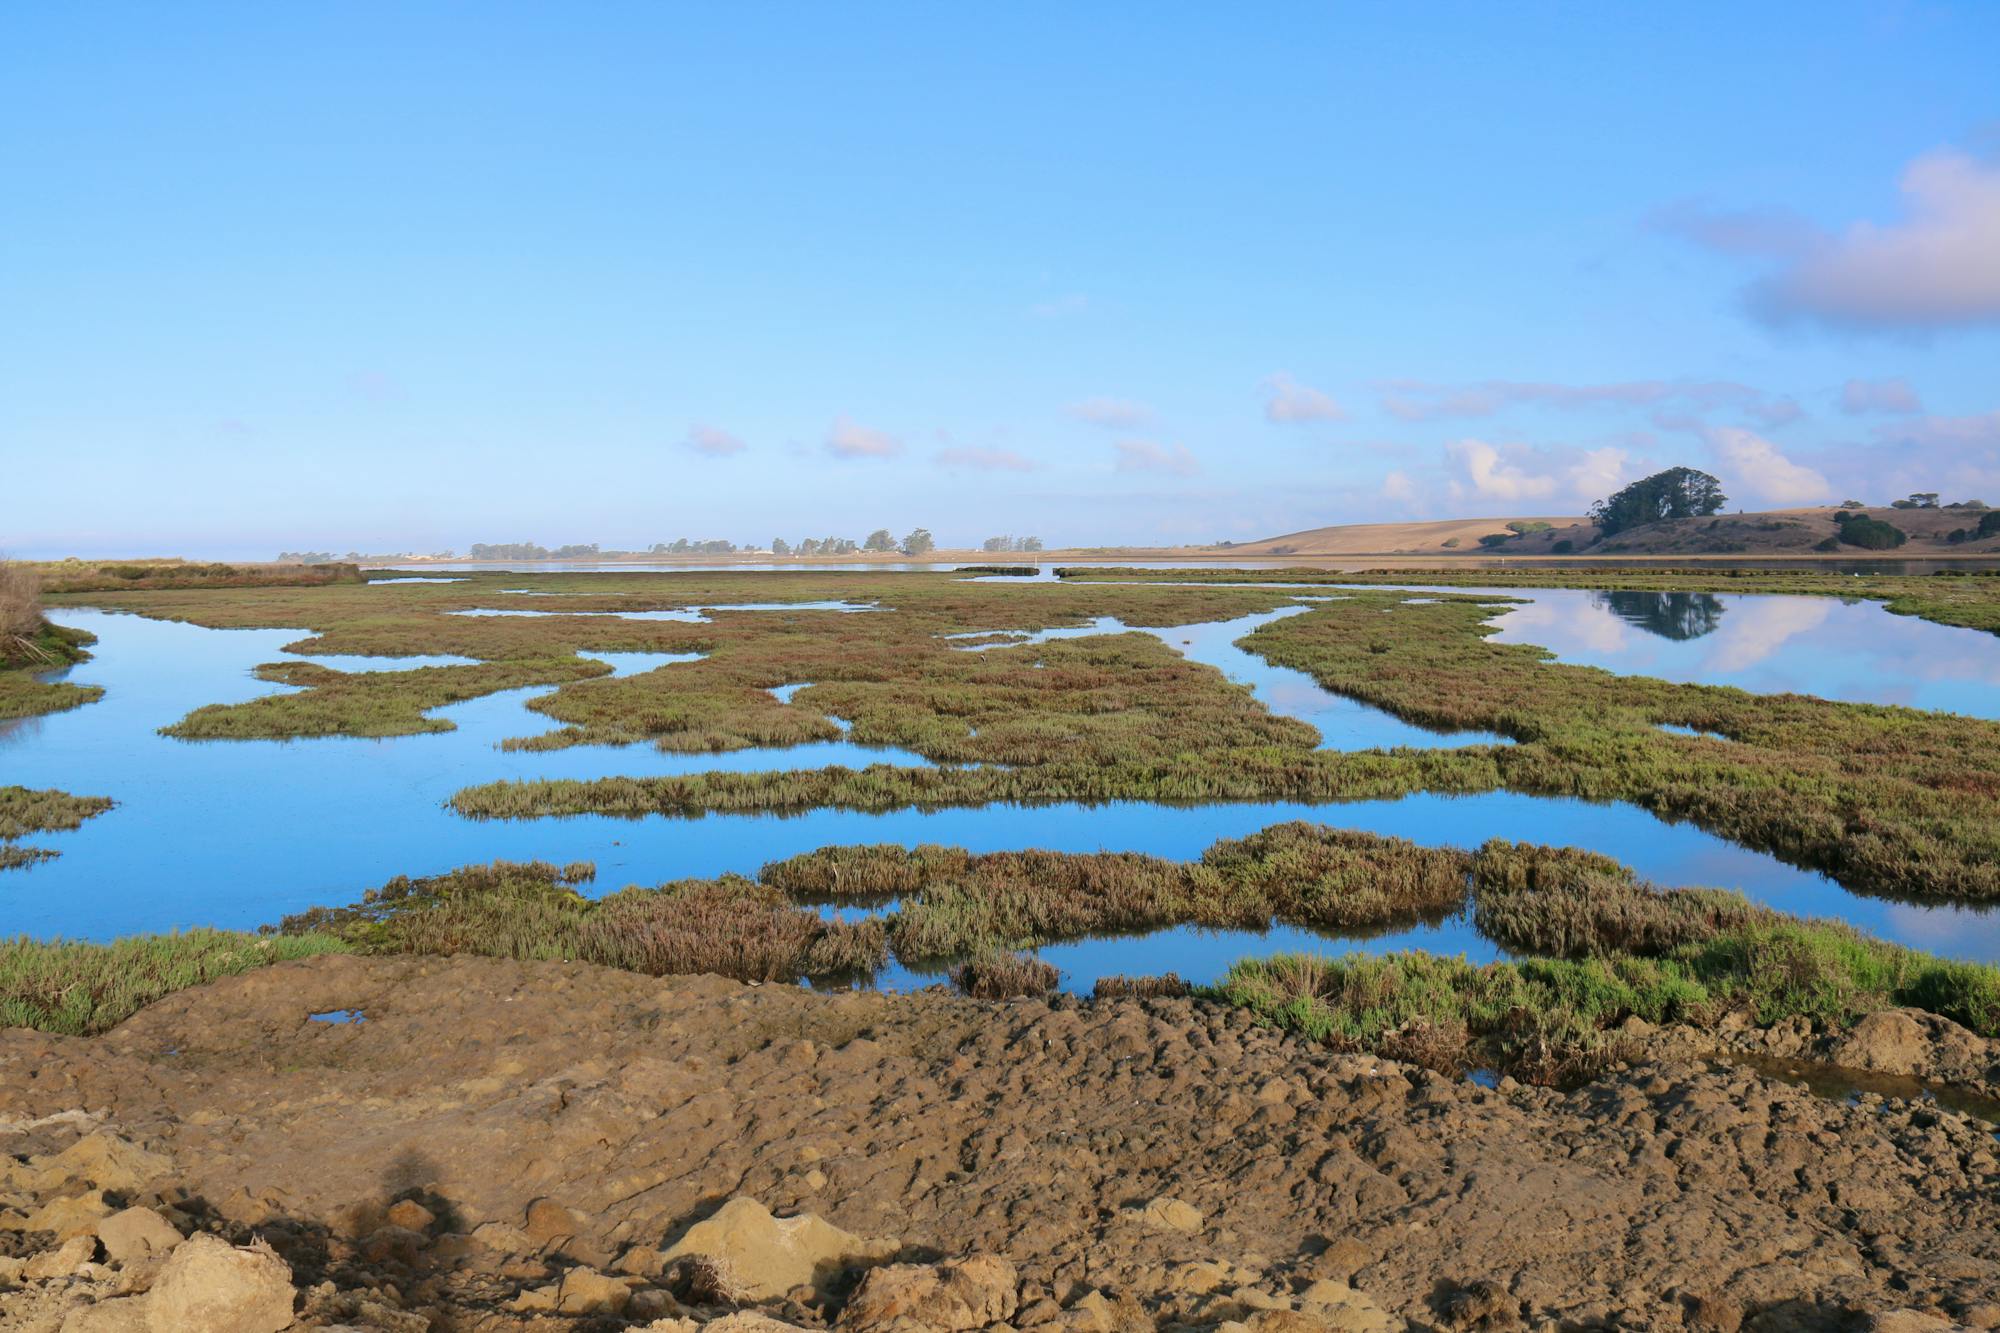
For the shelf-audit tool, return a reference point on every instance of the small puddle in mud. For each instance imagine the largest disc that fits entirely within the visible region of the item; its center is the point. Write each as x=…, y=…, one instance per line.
x=1852, y=1085
x=338, y=1016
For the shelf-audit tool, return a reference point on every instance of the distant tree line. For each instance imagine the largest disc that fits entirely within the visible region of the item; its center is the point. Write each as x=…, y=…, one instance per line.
x=1013, y=544
x=880, y=541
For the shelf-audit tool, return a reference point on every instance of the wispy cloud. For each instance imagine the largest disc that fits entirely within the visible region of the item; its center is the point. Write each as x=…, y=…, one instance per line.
x=1750, y=463
x=1937, y=267
x=713, y=441
x=1287, y=400
x=1149, y=456
x=375, y=386
x=1673, y=404
x=983, y=460
x=849, y=439
x=1762, y=233
x=1070, y=303
x=1111, y=413
x=1894, y=397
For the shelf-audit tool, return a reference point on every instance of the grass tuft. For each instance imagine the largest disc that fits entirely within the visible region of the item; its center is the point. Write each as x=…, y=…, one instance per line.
x=79, y=989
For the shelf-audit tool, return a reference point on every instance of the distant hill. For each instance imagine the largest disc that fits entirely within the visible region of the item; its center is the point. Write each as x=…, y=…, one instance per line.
x=1774, y=532
x=1440, y=537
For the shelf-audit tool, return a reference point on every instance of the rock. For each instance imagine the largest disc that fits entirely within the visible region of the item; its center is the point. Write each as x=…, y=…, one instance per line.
x=70, y=1216
x=965, y=1294
x=747, y=1321
x=1094, y=1312
x=640, y=1260
x=122, y=1314
x=103, y=1160
x=587, y=1291
x=1170, y=1214
x=549, y=1223
x=1335, y=1305
x=1198, y=1278
x=652, y=1303
x=535, y=1300
x=210, y=1286
x=502, y=1238
x=393, y=1242
x=62, y=1261
x=135, y=1235
x=763, y=1257
x=411, y=1215
x=1907, y=1321
x=1889, y=1041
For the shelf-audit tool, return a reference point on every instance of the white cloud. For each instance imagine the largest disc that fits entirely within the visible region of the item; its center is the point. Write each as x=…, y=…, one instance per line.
x=1858, y=397
x=1397, y=488
x=849, y=439
x=1516, y=472
x=984, y=460
x=1290, y=401
x=1751, y=463
x=1111, y=413
x=713, y=441
x=1147, y=456
x=1937, y=267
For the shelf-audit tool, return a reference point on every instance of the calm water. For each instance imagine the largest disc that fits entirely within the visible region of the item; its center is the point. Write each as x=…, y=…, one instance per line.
x=236, y=833
x=1821, y=646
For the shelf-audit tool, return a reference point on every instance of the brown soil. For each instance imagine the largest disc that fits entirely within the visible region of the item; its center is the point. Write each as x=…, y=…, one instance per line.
x=1162, y=1153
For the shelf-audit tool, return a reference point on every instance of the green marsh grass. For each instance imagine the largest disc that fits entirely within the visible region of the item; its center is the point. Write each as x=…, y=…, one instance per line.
x=1004, y=976
x=25, y=810
x=732, y=926
x=79, y=988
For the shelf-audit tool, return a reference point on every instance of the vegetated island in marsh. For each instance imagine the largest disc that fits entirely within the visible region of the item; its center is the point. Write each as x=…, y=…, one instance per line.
x=1593, y=946
x=1891, y=801
x=29, y=647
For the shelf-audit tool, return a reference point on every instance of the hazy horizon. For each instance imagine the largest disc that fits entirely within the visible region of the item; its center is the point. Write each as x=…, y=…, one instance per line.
x=407, y=277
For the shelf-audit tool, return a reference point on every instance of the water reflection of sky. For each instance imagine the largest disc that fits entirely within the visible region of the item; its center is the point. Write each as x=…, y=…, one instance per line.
x=237, y=833
x=1770, y=644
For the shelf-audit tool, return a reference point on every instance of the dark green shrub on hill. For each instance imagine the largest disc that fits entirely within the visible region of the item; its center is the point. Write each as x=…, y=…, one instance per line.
x=1872, y=534
x=1679, y=492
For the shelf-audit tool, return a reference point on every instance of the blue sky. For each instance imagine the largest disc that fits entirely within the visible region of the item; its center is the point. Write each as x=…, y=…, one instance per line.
x=409, y=276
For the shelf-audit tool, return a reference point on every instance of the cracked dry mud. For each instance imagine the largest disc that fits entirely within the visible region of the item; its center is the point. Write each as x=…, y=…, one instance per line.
x=496, y=1134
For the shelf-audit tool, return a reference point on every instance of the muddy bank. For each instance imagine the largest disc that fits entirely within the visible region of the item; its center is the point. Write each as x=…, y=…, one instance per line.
x=555, y=1129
